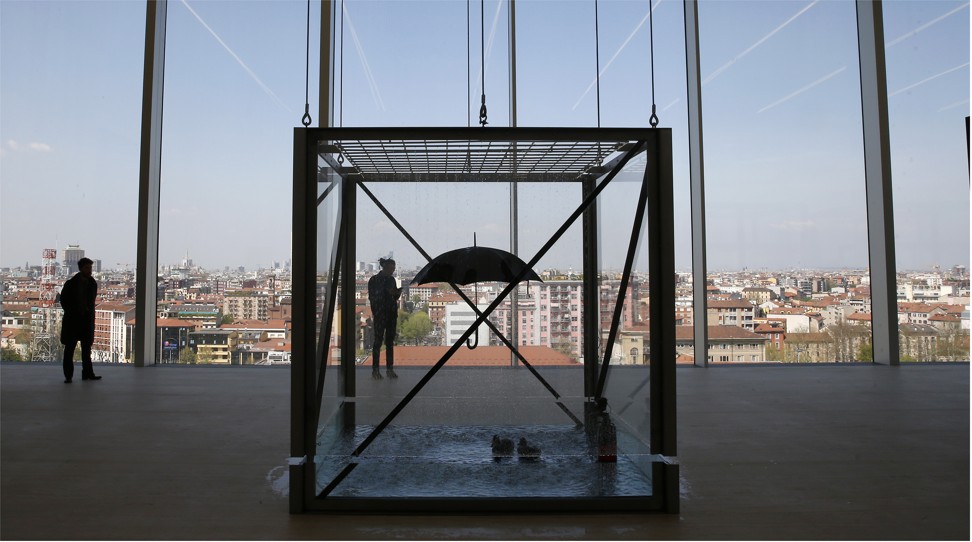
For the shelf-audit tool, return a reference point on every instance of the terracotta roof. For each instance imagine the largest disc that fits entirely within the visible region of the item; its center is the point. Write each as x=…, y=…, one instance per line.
x=175, y=322
x=483, y=356
x=914, y=307
x=861, y=316
x=116, y=307
x=944, y=318
x=954, y=309
x=767, y=328
x=684, y=358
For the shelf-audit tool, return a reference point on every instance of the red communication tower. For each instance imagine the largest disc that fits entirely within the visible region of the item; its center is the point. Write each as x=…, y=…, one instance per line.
x=44, y=322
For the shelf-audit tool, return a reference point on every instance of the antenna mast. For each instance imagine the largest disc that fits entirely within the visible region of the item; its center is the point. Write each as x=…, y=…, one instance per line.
x=44, y=322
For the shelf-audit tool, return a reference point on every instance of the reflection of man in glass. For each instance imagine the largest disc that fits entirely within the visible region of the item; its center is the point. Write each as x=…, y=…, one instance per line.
x=383, y=293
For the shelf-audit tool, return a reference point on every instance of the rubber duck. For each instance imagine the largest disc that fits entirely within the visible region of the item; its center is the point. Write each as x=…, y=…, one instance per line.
x=526, y=450
x=502, y=447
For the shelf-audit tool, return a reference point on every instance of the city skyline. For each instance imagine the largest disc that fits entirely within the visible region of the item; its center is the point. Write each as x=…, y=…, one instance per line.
x=784, y=174
x=406, y=267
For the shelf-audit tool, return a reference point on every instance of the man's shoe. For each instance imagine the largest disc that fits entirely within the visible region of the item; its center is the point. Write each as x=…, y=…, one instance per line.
x=90, y=377
x=67, y=380
x=376, y=374
x=391, y=373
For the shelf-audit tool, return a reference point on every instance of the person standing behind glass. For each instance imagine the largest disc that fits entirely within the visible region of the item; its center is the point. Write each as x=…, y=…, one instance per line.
x=383, y=293
x=78, y=300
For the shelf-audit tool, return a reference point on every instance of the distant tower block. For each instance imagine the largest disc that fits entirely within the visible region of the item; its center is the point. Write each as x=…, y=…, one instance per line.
x=72, y=254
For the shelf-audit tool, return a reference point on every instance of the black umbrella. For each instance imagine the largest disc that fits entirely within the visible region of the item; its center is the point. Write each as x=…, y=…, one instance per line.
x=474, y=264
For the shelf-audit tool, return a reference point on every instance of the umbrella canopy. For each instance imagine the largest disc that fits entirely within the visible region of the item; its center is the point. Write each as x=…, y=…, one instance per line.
x=474, y=264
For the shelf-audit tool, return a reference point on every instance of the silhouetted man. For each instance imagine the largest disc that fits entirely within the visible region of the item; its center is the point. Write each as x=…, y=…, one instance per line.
x=78, y=300
x=383, y=293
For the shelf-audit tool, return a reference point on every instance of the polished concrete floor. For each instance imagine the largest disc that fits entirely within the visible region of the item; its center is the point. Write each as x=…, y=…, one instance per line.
x=806, y=452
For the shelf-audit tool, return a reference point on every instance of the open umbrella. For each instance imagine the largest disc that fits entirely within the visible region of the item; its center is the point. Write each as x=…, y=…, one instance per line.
x=473, y=265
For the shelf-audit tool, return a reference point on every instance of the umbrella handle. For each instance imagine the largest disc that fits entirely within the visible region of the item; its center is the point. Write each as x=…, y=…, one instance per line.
x=475, y=340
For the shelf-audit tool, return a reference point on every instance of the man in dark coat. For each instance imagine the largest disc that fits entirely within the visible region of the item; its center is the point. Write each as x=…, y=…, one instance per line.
x=78, y=300
x=383, y=293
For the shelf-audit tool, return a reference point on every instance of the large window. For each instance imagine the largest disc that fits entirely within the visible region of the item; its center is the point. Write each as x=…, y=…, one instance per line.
x=784, y=172
x=785, y=207
x=234, y=90
x=70, y=110
x=928, y=108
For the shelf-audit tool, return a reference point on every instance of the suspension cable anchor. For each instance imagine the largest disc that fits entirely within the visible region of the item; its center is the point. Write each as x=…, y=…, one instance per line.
x=306, y=119
x=482, y=112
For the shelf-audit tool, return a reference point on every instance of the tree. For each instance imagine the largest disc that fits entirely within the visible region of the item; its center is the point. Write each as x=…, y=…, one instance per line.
x=846, y=339
x=564, y=347
x=774, y=353
x=226, y=319
x=10, y=354
x=186, y=355
x=416, y=327
x=865, y=352
x=952, y=344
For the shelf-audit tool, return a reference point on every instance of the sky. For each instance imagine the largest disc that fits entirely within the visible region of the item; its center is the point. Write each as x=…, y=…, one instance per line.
x=781, y=110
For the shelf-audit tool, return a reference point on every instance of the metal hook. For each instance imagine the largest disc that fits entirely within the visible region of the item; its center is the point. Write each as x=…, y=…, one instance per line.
x=482, y=112
x=306, y=119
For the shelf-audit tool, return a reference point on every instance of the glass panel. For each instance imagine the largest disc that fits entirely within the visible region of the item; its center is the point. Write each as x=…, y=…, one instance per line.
x=231, y=68
x=70, y=106
x=328, y=356
x=551, y=312
x=787, y=243
x=394, y=439
x=626, y=387
x=927, y=55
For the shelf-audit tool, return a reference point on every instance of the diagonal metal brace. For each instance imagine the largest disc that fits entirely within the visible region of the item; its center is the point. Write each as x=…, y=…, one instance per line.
x=462, y=294
x=625, y=276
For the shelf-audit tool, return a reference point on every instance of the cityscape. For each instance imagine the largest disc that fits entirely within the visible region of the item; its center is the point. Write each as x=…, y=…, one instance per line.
x=237, y=316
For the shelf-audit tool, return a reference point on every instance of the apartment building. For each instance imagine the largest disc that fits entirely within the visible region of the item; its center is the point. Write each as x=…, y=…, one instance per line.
x=214, y=345
x=726, y=344
x=731, y=312
x=245, y=305
x=111, y=333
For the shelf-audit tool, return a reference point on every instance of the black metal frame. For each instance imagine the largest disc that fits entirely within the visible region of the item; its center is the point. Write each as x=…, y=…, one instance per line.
x=591, y=156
